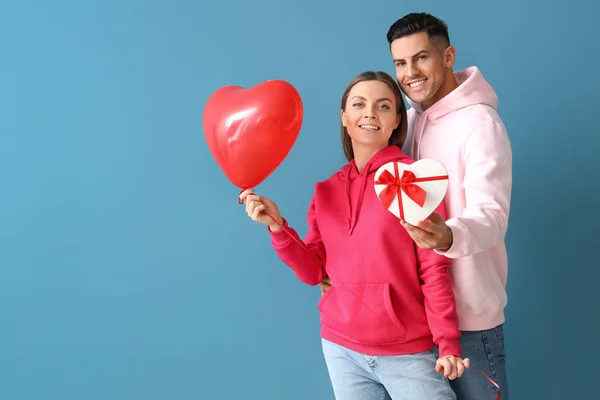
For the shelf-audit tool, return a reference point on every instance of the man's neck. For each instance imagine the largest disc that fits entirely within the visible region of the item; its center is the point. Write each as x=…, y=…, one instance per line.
x=450, y=83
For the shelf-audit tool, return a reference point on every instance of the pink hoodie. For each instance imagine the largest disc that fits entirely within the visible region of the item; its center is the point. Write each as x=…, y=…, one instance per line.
x=464, y=132
x=387, y=297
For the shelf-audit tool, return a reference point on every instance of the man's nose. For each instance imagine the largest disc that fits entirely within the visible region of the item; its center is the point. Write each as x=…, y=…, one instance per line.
x=412, y=71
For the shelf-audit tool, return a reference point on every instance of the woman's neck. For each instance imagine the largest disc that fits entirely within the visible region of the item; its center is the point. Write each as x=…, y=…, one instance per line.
x=362, y=155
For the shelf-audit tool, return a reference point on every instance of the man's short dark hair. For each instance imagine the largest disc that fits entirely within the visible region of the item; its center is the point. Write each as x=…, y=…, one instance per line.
x=419, y=22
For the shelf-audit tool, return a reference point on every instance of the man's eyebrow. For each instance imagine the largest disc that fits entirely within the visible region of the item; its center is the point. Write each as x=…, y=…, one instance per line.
x=413, y=56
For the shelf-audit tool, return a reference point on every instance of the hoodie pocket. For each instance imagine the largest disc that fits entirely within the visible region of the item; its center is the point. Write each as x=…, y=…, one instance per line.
x=362, y=313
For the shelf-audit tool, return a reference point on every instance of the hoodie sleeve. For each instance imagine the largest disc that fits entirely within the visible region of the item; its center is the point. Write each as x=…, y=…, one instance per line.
x=308, y=263
x=487, y=183
x=440, y=304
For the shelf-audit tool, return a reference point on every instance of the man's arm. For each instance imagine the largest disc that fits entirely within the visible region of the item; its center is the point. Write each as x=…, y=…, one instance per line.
x=488, y=184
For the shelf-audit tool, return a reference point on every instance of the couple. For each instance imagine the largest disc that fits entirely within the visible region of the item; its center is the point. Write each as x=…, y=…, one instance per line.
x=410, y=312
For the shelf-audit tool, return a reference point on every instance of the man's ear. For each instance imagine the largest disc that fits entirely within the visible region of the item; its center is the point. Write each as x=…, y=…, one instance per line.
x=449, y=56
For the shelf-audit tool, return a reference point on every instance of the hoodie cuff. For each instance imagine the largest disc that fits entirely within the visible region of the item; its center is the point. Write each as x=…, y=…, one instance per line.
x=281, y=237
x=449, y=347
x=460, y=241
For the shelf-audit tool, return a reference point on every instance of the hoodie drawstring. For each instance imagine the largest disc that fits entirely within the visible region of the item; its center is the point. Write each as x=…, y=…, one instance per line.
x=418, y=136
x=349, y=215
x=353, y=219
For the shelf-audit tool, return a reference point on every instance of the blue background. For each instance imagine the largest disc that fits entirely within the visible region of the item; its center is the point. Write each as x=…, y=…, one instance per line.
x=127, y=269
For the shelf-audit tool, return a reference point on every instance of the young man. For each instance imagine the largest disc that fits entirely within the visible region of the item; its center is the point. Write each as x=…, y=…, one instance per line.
x=454, y=120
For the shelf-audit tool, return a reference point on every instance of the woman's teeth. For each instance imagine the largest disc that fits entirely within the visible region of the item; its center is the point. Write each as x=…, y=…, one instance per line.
x=369, y=127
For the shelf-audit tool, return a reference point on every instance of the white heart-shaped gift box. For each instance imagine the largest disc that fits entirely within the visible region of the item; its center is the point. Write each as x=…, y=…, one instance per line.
x=424, y=181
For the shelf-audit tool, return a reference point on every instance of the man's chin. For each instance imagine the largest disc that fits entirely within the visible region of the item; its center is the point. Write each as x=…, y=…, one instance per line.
x=418, y=98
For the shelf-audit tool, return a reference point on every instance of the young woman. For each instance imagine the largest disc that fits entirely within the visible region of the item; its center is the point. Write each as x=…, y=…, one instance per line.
x=391, y=302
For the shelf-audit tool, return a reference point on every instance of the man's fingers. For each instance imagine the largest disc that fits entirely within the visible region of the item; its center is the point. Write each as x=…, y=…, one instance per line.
x=421, y=237
x=324, y=285
x=432, y=227
x=426, y=226
x=407, y=226
x=436, y=218
x=421, y=231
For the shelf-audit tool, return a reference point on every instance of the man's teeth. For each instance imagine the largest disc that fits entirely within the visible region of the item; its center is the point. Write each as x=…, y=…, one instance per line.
x=416, y=84
x=370, y=127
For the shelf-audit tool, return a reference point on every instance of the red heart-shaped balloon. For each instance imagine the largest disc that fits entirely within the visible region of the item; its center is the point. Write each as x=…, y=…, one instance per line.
x=250, y=131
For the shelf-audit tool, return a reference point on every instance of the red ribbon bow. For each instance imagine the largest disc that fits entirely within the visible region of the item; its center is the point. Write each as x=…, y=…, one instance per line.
x=406, y=183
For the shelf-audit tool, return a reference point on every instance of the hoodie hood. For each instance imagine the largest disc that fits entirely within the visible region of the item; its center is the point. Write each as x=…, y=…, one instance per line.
x=472, y=89
x=352, y=177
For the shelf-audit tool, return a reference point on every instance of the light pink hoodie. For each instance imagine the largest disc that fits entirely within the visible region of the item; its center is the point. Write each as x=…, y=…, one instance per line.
x=465, y=133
